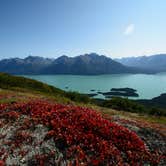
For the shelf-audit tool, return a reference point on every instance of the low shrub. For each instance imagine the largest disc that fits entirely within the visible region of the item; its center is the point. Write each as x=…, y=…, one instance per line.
x=84, y=136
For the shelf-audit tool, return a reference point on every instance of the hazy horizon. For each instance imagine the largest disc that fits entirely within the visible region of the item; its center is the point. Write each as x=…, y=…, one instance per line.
x=53, y=28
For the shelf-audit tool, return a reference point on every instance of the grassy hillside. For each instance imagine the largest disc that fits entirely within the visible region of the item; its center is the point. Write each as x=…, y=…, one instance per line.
x=25, y=84
x=43, y=125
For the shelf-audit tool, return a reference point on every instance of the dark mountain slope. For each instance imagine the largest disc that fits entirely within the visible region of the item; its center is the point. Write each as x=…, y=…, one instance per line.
x=158, y=101
x=29, y=65
x=87, y=64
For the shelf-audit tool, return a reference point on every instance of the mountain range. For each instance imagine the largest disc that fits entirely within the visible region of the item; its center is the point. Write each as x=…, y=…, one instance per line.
x=87, y=64
x=156, y=63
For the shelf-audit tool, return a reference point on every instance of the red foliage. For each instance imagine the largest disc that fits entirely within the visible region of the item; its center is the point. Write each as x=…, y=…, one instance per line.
x=2, y=163
x=22, y=136
x=3, y=107
x=11, y=115
x=84, y=136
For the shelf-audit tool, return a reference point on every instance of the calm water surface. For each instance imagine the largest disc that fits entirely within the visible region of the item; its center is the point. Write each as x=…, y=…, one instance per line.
x=147, y=86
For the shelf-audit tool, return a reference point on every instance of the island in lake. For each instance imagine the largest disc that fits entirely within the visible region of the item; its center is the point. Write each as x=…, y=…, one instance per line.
x=120, y=92
x=123, y=92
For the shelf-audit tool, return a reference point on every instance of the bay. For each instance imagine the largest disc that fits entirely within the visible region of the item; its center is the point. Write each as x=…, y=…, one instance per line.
x=147, y=86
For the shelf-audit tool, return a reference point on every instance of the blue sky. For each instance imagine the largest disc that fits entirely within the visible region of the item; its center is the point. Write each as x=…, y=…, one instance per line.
x=51, y=28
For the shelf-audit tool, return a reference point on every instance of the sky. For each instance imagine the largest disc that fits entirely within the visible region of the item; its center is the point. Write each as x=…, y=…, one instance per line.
x=51, y=28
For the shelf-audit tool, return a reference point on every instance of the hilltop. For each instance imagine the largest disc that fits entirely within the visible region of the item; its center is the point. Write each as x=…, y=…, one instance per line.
x=43, y=125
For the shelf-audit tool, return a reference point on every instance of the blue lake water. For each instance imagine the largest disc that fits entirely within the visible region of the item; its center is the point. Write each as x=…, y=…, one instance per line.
x=147, y=86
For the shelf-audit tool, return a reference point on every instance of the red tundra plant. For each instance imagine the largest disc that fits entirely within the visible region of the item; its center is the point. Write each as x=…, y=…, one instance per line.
x=10, y=115
x=22, y=136
x=85, y=137
x=2, y=163
x=3, y=107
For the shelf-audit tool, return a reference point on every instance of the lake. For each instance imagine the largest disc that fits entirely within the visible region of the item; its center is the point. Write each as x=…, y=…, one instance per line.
x=147, y=86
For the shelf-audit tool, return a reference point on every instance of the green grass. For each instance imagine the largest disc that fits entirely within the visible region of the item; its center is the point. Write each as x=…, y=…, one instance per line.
x=22, y=84
x=13, y=82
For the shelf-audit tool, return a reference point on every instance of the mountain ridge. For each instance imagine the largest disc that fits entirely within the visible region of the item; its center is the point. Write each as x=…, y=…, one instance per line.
x=155, y=62
x=87, y=64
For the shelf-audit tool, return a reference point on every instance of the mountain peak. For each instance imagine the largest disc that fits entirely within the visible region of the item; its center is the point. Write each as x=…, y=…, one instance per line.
x=87, y=64
x=30, y=57
x=92, y=54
